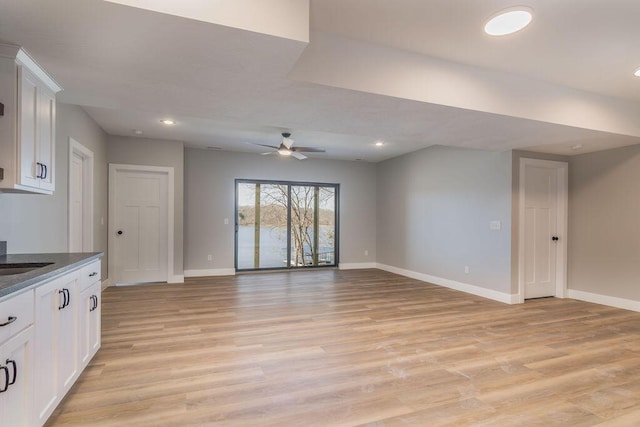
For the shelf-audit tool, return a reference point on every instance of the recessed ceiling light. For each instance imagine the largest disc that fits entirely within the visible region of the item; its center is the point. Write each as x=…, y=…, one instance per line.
x=138, y=132
x=637, y=73
x=509, y=21
x=576, y=147
x=379, y=144
x=168, y=122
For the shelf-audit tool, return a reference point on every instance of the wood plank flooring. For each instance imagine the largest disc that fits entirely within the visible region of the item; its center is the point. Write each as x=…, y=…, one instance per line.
x=348, y=348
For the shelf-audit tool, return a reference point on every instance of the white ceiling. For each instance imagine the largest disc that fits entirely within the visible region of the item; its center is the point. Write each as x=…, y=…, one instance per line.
x=229, y=87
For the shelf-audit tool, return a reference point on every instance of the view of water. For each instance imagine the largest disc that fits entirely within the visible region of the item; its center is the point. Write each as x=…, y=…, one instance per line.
x=273, y=246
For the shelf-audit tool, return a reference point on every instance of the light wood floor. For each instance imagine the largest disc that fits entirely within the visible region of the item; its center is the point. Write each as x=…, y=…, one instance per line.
x=346, y=348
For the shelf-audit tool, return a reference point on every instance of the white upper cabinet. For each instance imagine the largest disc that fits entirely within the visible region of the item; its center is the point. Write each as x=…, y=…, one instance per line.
x=27, y=129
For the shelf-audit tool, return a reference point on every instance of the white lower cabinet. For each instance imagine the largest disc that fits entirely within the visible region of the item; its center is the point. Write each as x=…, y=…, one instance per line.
x=48, y=335
x=56, y=321
x=16, y=380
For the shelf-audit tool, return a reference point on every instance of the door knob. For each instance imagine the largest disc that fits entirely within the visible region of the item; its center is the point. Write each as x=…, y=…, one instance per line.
x=555, y=238
x=120, y=232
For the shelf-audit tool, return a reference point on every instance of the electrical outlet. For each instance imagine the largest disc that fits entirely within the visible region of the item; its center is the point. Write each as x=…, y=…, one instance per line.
x=226, y=221
x=466, y=269
x=209, y=257
x=366, y=253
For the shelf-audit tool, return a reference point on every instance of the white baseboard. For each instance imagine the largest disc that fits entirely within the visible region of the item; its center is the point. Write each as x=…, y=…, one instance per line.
x=105, y=285
x=623, y=303
x=212, y=272
x=452, y=284
x=357, y=265
x=176, y=278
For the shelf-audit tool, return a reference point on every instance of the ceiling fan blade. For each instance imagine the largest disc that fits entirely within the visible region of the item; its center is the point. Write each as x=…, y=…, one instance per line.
x=287, y=142
x=298, y=155
x=267, y=153
x=308, y=150
x=265, y=145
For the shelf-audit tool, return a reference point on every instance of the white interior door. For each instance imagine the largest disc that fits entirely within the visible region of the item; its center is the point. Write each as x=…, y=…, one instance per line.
x=542, y=231
x=139, y=224
x=76, y=203
x=80, y=197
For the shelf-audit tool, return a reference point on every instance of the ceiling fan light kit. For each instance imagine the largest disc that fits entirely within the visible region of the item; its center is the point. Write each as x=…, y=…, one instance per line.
x=286, y=148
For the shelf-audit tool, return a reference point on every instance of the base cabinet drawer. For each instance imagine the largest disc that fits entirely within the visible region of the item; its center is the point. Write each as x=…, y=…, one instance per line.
x=90, y=274
x=16, y=313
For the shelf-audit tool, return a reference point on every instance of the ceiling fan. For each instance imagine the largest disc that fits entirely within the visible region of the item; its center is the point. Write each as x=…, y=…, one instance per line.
x=286, y=148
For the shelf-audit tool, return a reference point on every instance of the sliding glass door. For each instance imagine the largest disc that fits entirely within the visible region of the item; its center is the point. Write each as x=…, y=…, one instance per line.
x=285, y=225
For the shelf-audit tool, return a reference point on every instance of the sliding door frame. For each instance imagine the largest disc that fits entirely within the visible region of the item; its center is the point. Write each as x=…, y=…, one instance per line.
x=289, y=184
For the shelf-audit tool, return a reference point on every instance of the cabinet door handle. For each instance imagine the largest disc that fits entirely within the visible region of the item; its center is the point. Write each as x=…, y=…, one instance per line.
x=64, y=299
x=14, y=368
x=9, y=321
x=94, y=299
x=5, y=386
x=46, y=171
x=95, y=273
x=92, y=306
x=39, y=170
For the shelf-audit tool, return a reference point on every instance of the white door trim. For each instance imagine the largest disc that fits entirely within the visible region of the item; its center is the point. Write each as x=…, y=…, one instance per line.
x=562, y=224
x=87, y=197
x=113, y=168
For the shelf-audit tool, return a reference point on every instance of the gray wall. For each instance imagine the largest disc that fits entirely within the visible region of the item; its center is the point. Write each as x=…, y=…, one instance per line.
x=37, y=223
x=210, y=198
x=152, y=152
x=434, y=209
x=604, y=223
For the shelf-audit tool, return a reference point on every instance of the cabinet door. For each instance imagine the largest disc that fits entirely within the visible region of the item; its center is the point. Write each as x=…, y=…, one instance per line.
x=95, y=320
x=68, y=334
x=48, y=303
x=56, y=342
x=84, y=330
x=16, y=362
x=28, y=128
x=46, y=138
x=89, y=323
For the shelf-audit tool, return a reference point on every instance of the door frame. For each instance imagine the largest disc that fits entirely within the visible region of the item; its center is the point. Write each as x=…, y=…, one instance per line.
x=87, y=157
x=562, y=221
x=114, y=168
x=335, y=186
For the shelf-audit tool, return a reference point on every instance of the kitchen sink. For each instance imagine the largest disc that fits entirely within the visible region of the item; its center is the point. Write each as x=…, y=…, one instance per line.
x=11, y=269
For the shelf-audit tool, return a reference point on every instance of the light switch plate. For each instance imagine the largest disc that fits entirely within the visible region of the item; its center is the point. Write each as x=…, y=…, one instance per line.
x=495, y=225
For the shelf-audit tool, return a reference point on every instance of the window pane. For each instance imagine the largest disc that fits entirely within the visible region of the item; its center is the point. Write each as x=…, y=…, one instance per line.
x=263, y=221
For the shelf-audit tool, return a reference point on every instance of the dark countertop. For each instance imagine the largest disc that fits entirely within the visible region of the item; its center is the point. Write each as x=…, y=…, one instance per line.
x=61, y=263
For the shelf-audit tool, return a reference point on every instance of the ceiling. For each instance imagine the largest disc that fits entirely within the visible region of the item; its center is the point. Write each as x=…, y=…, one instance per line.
x=345, y=73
